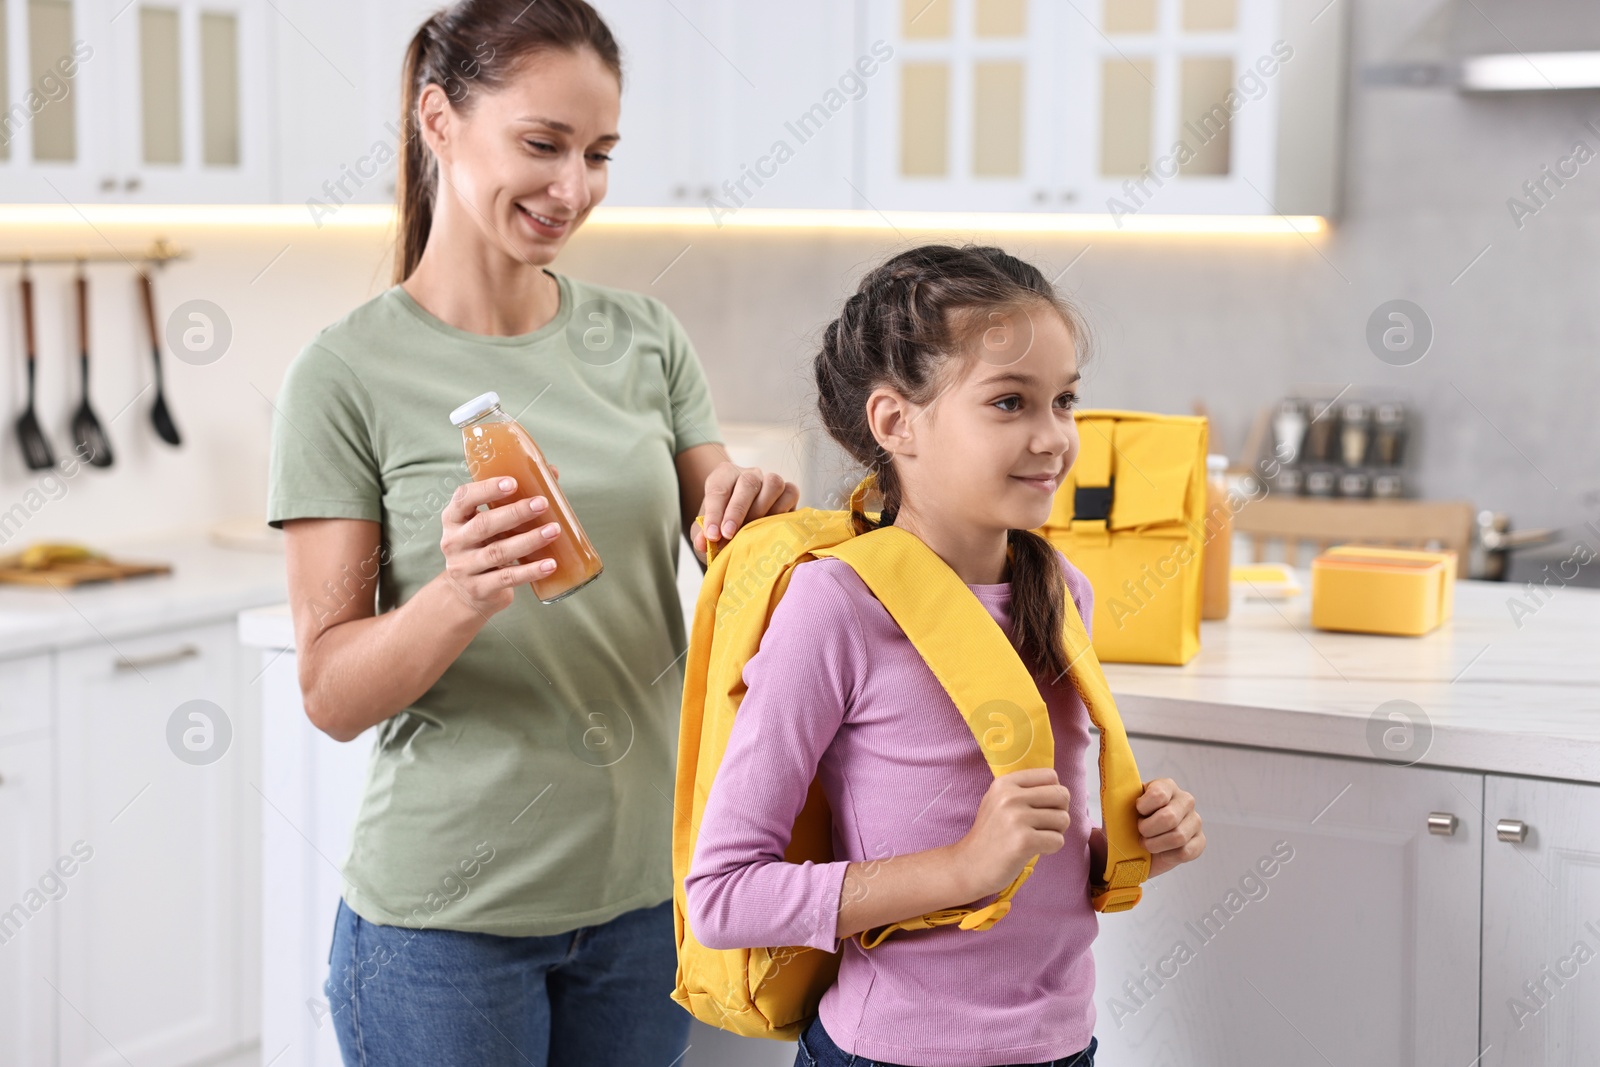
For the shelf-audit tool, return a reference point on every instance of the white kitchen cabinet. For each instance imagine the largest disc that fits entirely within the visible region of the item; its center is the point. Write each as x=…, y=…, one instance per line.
x=644, y=168
x=1541, y=923
x=310, y=791
x=791, y=96
x=25, y=696
x=55, y=79
x=190, y=112
x=145, y=102
x=729, y=104
x=31, y=892
x=149, y=938
x=1117, y=107
x=964, y=116
x=1361, y=946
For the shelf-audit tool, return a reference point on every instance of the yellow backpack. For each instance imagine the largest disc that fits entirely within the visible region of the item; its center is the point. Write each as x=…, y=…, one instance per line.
x=774, y=991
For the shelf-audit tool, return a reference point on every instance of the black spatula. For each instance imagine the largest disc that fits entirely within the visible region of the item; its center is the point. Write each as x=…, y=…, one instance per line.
x=35, y=449
x=159, y=415
x=90, y=439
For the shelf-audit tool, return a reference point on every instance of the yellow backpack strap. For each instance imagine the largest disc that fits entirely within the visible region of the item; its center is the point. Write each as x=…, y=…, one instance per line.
x=973, y=660
x=975, y=663
x=1117, y=887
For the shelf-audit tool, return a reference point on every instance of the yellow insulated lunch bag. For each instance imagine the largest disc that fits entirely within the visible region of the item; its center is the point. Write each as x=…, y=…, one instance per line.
x=774, y=991
x=1131, y=516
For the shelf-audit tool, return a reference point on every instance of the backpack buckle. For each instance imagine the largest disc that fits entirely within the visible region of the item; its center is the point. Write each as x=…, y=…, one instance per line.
x=1115, y=898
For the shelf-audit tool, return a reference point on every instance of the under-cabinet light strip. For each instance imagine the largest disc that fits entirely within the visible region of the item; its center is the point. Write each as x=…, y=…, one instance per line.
x=382, y=215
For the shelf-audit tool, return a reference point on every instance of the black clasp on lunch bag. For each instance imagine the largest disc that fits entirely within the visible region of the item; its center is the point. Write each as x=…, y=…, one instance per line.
x=1092, y=502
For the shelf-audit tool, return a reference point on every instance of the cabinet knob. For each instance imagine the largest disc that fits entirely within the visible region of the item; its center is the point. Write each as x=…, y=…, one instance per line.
x=131, y=184
x=680, y=191
x=2, y=779
x=1512, y=830
x=1442, y=823
x=108, y=184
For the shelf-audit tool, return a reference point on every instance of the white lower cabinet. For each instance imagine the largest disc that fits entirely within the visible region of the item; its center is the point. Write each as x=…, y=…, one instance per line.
x=1541, y=923
x=31, y=891
x=1324, y=924
x=150, y=942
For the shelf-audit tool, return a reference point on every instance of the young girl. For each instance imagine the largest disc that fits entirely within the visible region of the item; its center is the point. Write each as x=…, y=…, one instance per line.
x=951, y=374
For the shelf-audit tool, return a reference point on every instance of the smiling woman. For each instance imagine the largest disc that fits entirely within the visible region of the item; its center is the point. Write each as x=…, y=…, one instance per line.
x=540, y=735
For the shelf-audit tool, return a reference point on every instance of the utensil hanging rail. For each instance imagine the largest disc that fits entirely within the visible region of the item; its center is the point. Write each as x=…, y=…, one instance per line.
x=158, y=253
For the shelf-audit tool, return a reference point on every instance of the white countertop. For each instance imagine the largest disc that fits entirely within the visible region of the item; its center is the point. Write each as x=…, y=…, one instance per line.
x=1497, y=697
x=207, y=582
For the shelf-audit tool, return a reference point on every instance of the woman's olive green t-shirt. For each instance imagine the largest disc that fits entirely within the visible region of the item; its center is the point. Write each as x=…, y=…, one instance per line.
x=528, y=791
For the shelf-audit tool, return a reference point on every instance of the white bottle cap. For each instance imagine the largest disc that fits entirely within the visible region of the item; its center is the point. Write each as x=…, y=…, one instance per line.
x=474, y=407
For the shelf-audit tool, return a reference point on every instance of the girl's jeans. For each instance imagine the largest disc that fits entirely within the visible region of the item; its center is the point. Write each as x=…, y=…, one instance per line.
x=598, y=996
x=818, y=1050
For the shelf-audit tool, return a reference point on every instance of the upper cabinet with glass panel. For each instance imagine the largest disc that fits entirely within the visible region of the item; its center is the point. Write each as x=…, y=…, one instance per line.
x=154, y=101
x=189, y=114
x=958, y=118
x=1114, y=106
x=1123, y=107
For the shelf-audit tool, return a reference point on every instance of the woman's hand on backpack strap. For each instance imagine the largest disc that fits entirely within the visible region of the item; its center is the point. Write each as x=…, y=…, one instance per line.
x=735, y=495
x=1170, y=829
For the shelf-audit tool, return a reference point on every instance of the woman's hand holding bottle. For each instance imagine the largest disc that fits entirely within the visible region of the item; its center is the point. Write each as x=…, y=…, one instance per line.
x=1023, y=815
x=479, y=560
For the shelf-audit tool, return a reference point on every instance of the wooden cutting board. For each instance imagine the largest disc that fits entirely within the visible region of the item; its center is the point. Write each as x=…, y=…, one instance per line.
x=71, y=574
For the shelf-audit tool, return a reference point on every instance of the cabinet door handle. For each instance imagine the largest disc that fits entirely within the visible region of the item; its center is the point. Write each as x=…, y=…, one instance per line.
x=123, y=663
x=1513, y=830
x=1442, y=823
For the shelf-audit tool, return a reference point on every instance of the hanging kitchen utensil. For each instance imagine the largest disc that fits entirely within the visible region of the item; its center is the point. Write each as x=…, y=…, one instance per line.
x=159, y=415
x=35, y=449
x=90, y=439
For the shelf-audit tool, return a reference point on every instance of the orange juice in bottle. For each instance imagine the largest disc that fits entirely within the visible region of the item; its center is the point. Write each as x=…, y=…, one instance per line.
x=1216, y=555
x=497, y=446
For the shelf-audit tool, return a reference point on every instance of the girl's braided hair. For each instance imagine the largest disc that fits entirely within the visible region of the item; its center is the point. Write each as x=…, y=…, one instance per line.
x=906, y=327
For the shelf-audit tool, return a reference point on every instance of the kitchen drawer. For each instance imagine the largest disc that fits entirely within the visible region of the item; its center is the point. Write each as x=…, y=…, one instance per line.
x=25, y=696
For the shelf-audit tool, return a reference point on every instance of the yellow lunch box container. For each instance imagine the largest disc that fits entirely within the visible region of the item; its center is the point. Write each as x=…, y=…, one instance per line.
x=1131, y=516
x=1372, y=590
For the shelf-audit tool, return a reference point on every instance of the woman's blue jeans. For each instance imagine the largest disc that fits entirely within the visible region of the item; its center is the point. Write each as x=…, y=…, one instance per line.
x=818, y=1050
x=597, y=996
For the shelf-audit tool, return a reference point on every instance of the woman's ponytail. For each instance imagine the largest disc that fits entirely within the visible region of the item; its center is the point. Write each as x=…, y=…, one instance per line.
x=418, y=173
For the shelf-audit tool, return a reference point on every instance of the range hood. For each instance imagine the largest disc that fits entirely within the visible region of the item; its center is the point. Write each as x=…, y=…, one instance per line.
x=1497, y=46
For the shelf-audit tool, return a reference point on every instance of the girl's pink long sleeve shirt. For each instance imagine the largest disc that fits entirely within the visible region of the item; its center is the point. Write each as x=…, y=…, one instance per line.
x=837, y=692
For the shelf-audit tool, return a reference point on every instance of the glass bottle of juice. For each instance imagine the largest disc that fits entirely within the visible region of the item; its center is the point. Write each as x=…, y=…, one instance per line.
x=497, y=446
x=1216, y=557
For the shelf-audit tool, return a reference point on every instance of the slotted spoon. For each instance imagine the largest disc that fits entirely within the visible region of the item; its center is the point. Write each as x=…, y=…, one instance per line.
x=90, y=439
